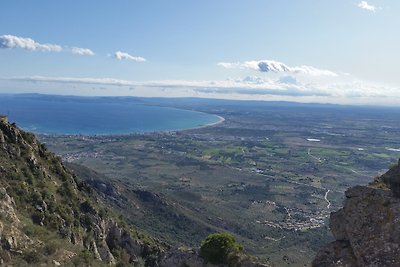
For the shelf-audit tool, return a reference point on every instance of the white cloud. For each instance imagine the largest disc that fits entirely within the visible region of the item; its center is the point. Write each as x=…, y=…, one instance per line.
x=243, y=88
x=282, y=88
x=122, y=55
x=366, y=6
x=82, y=51
x=277, y=67
x=227, y=65
x=250, y=80
x=312, y=71
x=11, y=41
x=288, y=80
x=99, y=81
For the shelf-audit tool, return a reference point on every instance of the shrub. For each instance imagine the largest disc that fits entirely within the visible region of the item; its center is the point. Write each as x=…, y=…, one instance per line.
x=37, y=217
x=31, y=257
x=219, y=248
x=86, y=207
x=50, y=248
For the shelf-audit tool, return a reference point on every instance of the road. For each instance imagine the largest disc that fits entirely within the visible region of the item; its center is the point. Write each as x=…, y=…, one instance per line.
x=326, y=198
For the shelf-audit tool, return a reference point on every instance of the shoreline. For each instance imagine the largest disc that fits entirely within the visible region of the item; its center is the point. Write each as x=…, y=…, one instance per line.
x=220, y=120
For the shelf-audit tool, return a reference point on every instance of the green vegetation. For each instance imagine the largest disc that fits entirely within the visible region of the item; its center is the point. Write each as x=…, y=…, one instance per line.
x=255, y=176
x=220, y=248
x=52, y=213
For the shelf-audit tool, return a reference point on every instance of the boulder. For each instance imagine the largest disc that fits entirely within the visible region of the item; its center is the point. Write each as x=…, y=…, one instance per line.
x=366, y=229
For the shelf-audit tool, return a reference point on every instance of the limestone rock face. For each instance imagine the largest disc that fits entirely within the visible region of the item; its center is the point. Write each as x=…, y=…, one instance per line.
x=7, y=207
x=392, y=179
x=366, y=229
x=12, y=239
x=38, y=192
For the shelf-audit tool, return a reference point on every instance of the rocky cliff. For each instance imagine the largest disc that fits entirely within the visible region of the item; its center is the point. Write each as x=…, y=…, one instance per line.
x=367, y=228
x=49, y=216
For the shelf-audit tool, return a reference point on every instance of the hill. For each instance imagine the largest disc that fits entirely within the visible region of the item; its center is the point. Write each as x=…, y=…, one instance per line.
x=50, y=216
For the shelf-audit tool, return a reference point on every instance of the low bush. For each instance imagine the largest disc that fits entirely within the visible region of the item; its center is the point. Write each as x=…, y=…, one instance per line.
x=220, y=248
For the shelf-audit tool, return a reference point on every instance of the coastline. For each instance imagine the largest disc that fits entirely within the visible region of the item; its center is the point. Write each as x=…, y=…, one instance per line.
x=221, y=120
x=177, y=118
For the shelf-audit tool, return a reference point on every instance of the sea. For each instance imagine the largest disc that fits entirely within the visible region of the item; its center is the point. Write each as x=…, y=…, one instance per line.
x=72, y=115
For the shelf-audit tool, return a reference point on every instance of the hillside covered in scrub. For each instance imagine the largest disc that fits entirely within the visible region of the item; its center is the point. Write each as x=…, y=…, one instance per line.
x=49, y=216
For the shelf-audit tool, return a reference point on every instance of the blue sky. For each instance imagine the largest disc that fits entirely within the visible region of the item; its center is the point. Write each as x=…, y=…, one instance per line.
x=337, y=51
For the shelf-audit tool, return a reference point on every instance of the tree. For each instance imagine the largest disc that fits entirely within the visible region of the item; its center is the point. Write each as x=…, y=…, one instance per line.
x=220, y=248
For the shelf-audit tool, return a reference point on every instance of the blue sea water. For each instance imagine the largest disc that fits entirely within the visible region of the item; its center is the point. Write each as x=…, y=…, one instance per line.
x=96, y=116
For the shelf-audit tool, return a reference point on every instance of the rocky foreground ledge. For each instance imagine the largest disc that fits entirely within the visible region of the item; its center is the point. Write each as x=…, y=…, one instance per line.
x=367, y=228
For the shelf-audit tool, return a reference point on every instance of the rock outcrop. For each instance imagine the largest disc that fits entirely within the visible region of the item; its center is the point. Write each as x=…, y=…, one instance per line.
x=12, y=239
x=367, y=228
x=39, y=196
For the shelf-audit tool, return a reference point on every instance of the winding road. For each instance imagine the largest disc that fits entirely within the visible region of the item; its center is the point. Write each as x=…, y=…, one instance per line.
x=326, y=198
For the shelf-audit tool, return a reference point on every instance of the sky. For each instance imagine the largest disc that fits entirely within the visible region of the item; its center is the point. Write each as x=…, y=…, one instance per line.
x=331, y=51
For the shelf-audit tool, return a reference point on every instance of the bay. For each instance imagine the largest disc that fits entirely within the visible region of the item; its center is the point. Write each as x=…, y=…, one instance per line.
x=97, y=115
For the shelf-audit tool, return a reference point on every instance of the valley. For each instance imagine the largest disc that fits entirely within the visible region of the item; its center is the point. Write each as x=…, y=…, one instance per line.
x=271, y=173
